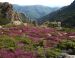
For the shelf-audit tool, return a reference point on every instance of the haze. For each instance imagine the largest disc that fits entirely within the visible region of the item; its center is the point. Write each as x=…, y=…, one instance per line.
x=51, y=3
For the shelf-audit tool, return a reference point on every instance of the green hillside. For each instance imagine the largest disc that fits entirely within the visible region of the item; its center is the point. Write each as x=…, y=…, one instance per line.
x=66, y=15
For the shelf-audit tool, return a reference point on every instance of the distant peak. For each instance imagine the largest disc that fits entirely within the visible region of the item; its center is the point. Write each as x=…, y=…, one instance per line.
x=73, y=2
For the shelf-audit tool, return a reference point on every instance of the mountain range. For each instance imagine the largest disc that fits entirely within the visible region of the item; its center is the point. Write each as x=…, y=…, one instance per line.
x=66, y=15
x=34, y=11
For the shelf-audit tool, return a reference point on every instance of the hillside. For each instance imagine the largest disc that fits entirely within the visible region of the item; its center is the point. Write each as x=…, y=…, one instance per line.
x=66, y=15
x=32, y=41
x=8, y=15
x=34, y=11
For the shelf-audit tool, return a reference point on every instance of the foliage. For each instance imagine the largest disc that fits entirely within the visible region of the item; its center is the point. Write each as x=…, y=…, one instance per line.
x=66, y=15
x=7, y=42
x=34, y=12
x=68, y=46
x=36, y=42
x=4, y=21
x=53, y=53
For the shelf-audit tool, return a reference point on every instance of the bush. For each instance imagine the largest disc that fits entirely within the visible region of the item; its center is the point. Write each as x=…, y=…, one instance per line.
x=4, y=21
x=7, y=42
x=68, y=46
x=53, y=53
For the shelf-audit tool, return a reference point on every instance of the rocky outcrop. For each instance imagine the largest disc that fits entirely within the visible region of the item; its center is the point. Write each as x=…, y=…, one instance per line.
x=6, y=10
x=7, y=14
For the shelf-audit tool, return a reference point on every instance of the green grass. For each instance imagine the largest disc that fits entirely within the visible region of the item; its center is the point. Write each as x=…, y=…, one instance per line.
x=68, y=29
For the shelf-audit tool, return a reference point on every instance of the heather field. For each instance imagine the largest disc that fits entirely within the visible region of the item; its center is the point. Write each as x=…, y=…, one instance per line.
x=35, y=42
x=37, y=29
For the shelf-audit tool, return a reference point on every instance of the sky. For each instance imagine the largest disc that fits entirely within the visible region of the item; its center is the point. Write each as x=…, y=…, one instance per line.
x=51, y=3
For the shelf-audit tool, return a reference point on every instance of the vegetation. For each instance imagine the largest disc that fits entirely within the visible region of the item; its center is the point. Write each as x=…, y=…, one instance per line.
x=37, y=42
x=34, y=41
x=68, y=46
x=66, y=15
x=5, y=13
x=34, y=12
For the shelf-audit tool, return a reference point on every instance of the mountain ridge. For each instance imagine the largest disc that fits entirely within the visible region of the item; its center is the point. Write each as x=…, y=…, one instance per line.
x=34, y=11
x=66, y=15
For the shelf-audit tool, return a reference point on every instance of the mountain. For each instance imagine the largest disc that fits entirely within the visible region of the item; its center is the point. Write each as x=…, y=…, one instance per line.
x=34, y=11
x=66, y=15
x=8, y=15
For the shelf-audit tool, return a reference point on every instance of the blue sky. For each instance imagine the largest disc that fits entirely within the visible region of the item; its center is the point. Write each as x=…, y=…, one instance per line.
x=51, y=3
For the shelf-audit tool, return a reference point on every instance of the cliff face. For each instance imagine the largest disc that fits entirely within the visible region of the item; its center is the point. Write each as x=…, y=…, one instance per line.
x=6, y=10
x=7, y=14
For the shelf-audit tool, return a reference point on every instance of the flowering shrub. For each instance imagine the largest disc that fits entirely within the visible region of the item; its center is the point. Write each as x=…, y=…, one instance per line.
x=16, y=54
x=32, y=42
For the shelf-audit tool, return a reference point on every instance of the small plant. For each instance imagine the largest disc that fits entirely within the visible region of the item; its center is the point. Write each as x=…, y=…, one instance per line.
x=7, y=42
x=53, y=53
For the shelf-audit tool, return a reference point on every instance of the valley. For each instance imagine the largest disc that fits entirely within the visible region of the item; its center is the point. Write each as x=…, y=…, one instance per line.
x=36, y=31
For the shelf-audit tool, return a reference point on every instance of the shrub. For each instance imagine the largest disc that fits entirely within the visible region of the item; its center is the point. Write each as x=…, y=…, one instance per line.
x=4, y=21
x=53, y=53
x=7, y=42
x=67, y=45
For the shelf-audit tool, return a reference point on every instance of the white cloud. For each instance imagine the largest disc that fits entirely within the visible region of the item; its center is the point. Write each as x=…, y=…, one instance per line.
x=40, y=2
